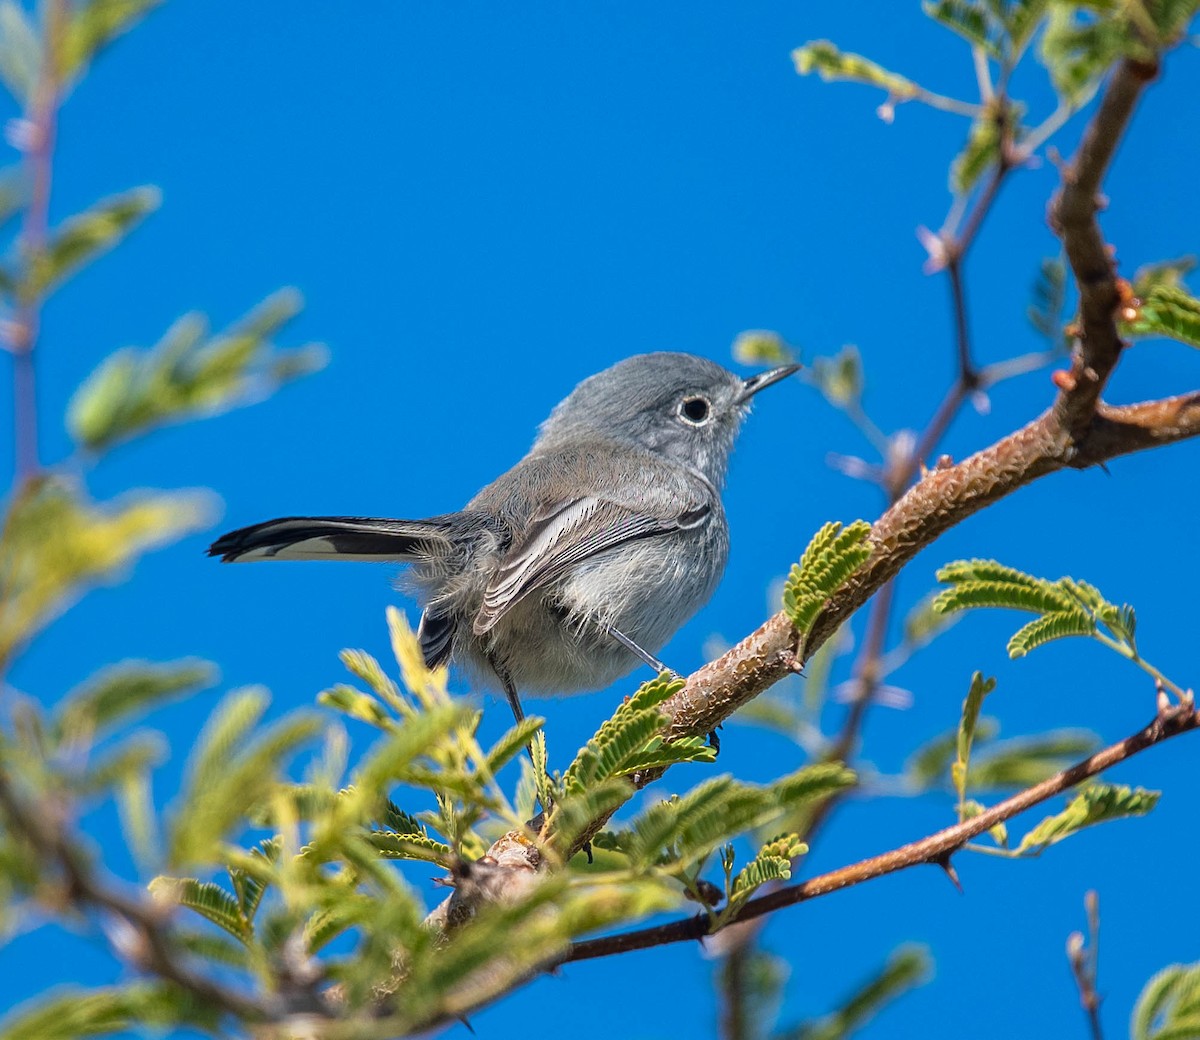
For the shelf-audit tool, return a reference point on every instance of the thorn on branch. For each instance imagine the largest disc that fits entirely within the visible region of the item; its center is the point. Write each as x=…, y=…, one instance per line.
x=943, y=861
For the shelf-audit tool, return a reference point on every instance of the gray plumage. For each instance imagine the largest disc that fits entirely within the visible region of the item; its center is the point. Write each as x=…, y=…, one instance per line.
x=582, y=559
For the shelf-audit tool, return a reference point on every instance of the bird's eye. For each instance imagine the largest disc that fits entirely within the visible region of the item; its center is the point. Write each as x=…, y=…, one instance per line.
x=695, y=411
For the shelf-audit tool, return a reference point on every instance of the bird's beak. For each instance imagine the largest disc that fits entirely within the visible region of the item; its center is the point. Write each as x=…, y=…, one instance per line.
x=761, y=381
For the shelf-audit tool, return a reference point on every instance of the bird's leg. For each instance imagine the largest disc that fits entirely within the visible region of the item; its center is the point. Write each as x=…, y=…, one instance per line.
x=514, y=702
x=644, y=656
x=510, y=688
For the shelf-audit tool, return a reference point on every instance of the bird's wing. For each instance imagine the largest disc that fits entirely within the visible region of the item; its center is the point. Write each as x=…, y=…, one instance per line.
x=562, y=536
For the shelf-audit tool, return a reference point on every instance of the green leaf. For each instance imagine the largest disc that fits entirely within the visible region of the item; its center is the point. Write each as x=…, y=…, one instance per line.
x=74, y=1013
x=908, y=967
x=1045, y=313
x=361, y=664
x=923, y=624
x=229, y=773
x=968, y=18
x=187, y=374
x=207, y=899
x=659, y=754
x=979, y=154
x=762, y=347
x=1026, y=761
x=20, y=52
x=772, y=863
x=251, y=879
x=1166, y=274
x=1067, y=607
x=1096, y=803
x=82, y=238
x=55, y=544
x=391, y=758
x=831, y=558
x=411, y=846
x=127, y=690
x=929, y=765
x=1045, y=629
x=1169, y=1005
x=512, y=743
x=686, y=829
x=1077, y=52
x=986, y=583
x=95, y=24
x=840, y=378
x=1021, y=18
x=622, y=737
x=980, y=688
x=824, y=58
x=1168, y=311
x=355, y=704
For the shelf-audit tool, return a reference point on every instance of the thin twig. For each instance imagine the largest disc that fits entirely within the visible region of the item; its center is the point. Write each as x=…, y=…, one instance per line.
x=935, y=849
x=1084, y=957
x=41, y=127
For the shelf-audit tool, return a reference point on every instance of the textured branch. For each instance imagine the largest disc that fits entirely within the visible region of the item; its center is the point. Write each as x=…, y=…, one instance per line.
x=1078, y=431
x=1073, y=217
x=935, y=849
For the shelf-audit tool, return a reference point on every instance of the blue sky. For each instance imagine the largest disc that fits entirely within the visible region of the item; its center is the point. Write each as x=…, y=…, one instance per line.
x=483, y=204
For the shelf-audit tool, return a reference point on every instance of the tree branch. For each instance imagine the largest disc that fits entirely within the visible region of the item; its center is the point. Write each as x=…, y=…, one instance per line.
x=935, y=849
x=1076, y=432
x=41, y=120
x=145, y=938
x=1072, y=215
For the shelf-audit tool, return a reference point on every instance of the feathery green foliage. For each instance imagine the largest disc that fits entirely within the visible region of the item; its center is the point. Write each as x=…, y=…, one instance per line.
x=1096, y=803
x=189, y=373
x=1066, y=607
x=80, y=240
x=832, y=556
x=126, y=690
x=1169, y=311
x=839, y=378
x=980, y=688
x=762, y=347
x=1169, y=1005
x=20, y=51
x=1049, y=303
x=631, y=740
x=907, y=968
x=1025, y=761
x=229, y=772
x=830, y=63
x=94, y=24
x=206, y=898
x=982, y=150
x=773, y=862
x=78, y=1013
x=686, y=829
x=55, y=544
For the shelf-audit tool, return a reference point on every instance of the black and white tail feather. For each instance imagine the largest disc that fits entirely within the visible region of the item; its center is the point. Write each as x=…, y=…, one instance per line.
x=335, y=537
x=361, y=538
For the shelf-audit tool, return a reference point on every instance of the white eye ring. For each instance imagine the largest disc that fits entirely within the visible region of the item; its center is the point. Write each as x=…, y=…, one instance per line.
x=695, y=410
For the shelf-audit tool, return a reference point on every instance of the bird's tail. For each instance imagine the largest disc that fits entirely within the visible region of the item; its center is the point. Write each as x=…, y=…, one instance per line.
x=336, y=538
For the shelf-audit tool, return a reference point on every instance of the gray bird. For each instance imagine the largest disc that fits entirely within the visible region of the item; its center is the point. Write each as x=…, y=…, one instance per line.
x=586, y=556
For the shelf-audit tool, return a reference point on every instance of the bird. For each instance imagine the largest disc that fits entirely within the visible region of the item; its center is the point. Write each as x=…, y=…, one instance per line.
x=580, y=562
